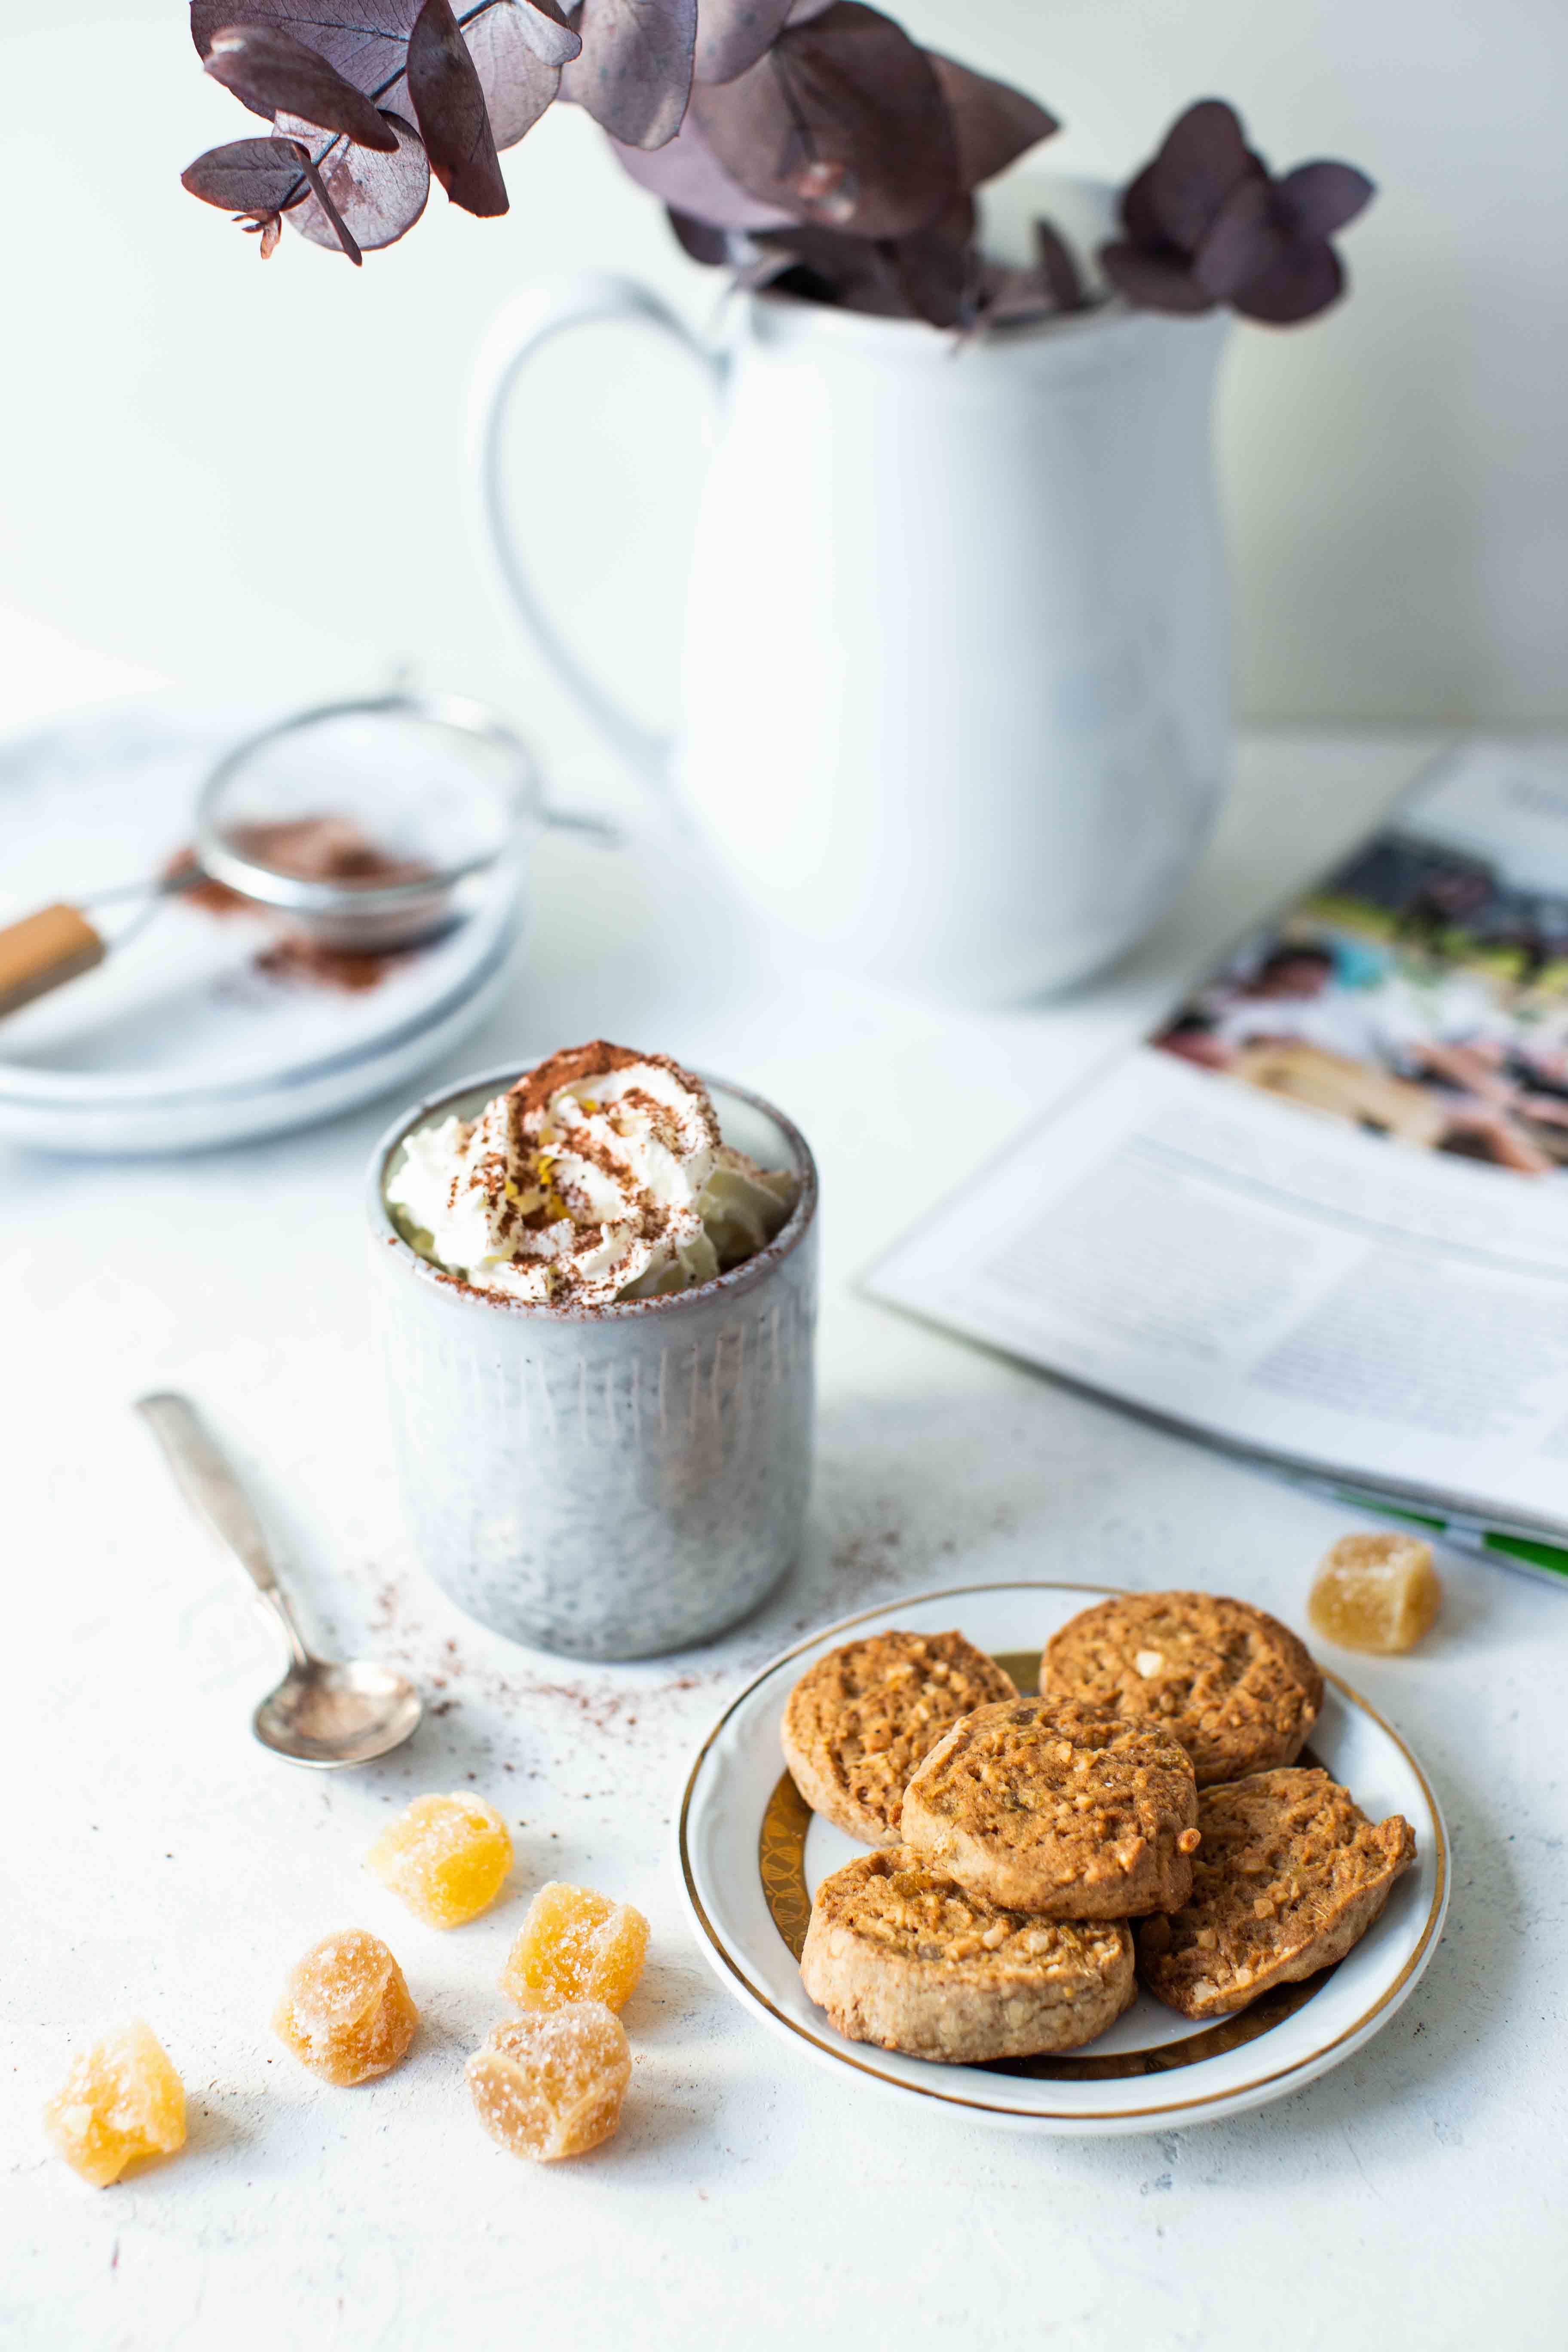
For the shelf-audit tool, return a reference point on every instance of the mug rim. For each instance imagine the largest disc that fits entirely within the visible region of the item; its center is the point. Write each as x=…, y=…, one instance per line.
x=739, y=1278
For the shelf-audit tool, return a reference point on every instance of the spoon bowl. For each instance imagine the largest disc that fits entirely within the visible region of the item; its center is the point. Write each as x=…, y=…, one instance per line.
x=328, y=1716
x=322, y=1713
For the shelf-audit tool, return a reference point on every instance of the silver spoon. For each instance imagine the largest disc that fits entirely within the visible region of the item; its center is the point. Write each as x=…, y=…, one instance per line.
x=320, y=1714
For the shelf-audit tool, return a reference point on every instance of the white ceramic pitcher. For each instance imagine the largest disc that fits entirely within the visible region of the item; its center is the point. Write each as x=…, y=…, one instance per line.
x=954, y=694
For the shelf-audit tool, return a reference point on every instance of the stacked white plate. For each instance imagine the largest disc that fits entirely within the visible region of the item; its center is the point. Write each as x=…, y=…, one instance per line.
x=183, y=1037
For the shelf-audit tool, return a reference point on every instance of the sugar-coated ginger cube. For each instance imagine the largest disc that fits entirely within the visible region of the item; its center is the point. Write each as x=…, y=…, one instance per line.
x=551, y=2085
x=121, y=2100
x=575, y=1945
x=1376, y=1592
x=446, y=1856
x=346, y=2011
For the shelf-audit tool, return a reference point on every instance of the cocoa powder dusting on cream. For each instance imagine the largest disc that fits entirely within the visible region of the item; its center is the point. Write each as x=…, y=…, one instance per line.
x=533, y=1090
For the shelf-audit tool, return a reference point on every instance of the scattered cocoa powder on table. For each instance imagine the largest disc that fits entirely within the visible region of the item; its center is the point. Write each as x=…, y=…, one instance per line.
x=624, y=1714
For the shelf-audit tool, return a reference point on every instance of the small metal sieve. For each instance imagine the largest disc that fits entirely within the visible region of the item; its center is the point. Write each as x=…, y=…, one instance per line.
x=357, y=823
x=396, y=799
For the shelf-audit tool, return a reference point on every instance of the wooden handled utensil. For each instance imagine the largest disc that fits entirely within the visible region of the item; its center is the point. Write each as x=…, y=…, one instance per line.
x=43, y=950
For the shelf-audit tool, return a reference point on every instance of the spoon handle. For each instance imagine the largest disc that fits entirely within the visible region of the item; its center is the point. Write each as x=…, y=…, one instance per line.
x=208, y=1484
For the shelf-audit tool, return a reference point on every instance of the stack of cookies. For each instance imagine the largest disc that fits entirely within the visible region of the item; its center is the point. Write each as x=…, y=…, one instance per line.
x=1144, y=1817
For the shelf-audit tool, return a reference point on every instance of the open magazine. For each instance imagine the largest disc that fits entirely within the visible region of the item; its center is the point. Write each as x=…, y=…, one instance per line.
x=1320, y=1216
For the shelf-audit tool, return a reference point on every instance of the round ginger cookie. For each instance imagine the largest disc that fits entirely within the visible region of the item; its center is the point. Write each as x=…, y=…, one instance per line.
x=1291, y=1877
x=1230, y=1683
x=897, y=1954
x=859, y=1720
x=1048, y=1806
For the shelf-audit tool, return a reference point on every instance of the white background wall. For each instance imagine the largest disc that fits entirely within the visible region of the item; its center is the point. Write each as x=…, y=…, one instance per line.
x=234, y=472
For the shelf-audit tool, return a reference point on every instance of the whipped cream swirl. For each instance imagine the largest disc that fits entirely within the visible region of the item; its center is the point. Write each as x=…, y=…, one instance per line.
x=599, y=1176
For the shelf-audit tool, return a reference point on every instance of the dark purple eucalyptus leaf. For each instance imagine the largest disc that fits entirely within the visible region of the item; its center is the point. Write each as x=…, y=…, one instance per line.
x=700, y=241
x=803, y=11
x=1317, y=199
x=272, y=73
x=367, y=40
x=634, y=73
x=1244, y=241
x=993, y=124
x=734, y=34
x=1206, y=222
x=261, y=177
x=1204, y=157
x=552, y=38
x=933, y=274
x=450, y=109
x=842, y=122
x=938, y=269
x=1049, y=287
x=1137, y=210
x=1058, y=269
x=852, y=273
x=688, y=177
x=1151, y=283
x=518, y=84
x=1306, y=281
x=379, y=197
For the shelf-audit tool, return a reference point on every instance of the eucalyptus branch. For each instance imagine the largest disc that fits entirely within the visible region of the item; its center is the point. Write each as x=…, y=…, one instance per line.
x=319, y=190
x=825, y=153
x=379, y=91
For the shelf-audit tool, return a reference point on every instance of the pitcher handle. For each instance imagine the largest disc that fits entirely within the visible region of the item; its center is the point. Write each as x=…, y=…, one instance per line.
x=589, y=298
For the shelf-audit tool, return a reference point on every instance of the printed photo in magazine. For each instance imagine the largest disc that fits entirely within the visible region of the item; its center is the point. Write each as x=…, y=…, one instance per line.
x=1293, y=1221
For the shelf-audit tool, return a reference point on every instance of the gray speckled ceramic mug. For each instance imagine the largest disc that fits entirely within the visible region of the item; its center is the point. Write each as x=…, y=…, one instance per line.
x=616, y=1481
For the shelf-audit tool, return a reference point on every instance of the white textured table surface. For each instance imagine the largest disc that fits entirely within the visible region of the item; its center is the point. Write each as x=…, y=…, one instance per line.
x=158, y=1861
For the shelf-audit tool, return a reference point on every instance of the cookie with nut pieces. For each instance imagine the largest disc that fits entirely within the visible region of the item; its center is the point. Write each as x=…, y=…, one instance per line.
x=1231, y=1684
x=899, y=1955
x=1053, y=1807
x=859, y=1720
x=1290, y=1876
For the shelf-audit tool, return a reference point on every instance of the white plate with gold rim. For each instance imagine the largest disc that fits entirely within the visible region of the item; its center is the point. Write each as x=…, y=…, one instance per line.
x=750, y=1856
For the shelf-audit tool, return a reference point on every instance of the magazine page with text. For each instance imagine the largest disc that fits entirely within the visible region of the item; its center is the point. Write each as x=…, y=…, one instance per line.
x=1323, y=1213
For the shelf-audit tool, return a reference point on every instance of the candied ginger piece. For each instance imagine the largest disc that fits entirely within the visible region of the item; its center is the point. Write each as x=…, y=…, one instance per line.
x=575, y=1945
x=446, y=1857
x=346, y=2011
x=1376, y=1592
x=121, y=2100
x=551, y=2085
